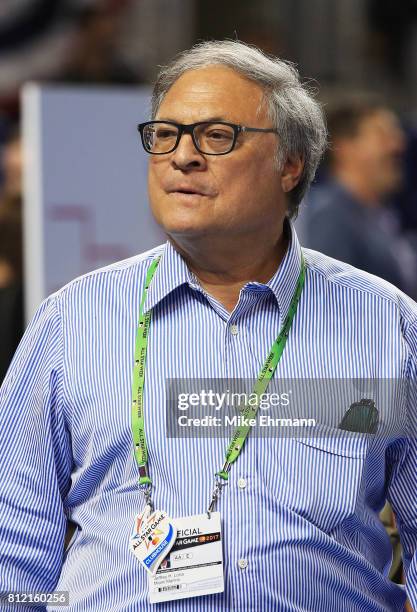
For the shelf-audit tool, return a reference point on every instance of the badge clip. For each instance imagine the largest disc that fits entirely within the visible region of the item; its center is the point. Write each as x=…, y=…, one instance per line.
x=221, y=481
x=145, y=485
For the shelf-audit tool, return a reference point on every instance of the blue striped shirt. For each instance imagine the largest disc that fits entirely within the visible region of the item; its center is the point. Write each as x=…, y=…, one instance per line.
x=305, y=522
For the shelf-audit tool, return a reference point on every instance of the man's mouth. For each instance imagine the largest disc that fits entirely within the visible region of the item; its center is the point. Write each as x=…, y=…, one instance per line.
x=187, y=191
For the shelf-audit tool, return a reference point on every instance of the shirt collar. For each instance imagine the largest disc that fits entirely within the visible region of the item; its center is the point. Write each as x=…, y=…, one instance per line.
x=172, y=272
x=284, y=281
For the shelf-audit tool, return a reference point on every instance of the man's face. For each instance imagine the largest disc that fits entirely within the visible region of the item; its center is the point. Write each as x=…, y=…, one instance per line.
x=377, y=151
x=192, y=194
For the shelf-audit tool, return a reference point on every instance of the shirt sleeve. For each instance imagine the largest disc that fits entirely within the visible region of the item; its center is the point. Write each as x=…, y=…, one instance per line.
x=35, y=458
x=402, y=483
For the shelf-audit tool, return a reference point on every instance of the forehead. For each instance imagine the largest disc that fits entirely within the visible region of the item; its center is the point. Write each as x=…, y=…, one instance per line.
x=213, y=92
x=380, y=121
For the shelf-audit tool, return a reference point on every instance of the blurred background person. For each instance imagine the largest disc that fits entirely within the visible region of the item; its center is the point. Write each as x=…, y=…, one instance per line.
x=82, y=41
x=94, y=56
x=349, y=216
x=11, y=267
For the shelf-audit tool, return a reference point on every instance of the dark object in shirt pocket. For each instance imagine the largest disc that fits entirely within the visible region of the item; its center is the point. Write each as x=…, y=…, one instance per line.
x=361, y=417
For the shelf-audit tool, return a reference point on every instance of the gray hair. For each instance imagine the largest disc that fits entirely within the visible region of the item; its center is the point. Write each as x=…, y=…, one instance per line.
x=295, y=113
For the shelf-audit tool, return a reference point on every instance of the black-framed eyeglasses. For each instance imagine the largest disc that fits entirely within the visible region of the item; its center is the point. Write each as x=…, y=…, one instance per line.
x=209, y=137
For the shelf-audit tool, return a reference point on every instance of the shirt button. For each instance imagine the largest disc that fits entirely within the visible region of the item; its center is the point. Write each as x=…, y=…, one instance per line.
x=234, y=330
x=241, y=483
x=243, y=563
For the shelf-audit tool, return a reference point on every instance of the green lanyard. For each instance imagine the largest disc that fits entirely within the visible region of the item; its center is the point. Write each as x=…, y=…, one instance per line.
x=249, y=412
x=138, y=384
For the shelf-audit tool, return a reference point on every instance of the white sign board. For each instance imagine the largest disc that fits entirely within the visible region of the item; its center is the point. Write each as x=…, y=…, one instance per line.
x=85, y=184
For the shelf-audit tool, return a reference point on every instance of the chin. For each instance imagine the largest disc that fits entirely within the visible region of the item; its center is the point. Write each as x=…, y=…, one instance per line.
x=182, y=224
x=177, y=230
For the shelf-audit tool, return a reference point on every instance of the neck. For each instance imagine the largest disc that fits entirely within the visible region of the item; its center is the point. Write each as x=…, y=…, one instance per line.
x=359, y=187
x=224, y=267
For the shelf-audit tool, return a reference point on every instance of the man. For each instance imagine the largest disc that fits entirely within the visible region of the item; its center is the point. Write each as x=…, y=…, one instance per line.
x=347, y=216
x=299, y=516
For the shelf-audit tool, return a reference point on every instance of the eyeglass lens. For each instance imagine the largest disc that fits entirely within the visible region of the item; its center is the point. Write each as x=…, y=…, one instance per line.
x=211, y=138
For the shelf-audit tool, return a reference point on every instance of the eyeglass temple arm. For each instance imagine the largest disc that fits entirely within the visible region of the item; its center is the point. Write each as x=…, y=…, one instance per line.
x=243, y=128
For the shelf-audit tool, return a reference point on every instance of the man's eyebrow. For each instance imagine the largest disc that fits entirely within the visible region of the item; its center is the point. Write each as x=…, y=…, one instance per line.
x=208, y=120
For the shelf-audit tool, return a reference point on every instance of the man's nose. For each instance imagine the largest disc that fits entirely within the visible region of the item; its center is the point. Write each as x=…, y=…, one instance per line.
x=186, y=156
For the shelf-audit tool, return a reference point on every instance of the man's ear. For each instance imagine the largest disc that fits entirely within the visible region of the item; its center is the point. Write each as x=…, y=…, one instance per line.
x=291, y=173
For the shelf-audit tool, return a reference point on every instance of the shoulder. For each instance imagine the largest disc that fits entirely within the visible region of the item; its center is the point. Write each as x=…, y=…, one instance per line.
x=359, y=287
x=134, y=266
x=103, y=285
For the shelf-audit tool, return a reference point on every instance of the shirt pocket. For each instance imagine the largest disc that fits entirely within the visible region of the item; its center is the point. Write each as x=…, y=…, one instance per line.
x=319, y=476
